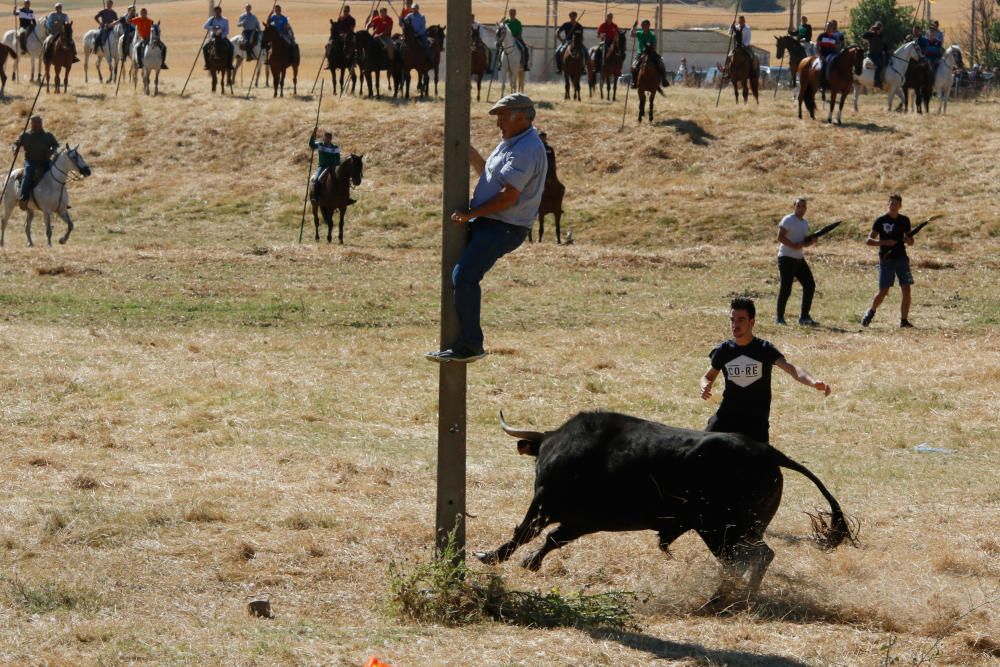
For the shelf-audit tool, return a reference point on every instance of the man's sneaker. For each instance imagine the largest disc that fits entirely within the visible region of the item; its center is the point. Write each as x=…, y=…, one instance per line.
x=461, y=355
x=780, y=320
x=905, y=324
x=808, y=322
x=868, y=317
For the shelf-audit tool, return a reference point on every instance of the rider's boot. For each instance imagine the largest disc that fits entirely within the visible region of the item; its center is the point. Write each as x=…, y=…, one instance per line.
x=24, y=44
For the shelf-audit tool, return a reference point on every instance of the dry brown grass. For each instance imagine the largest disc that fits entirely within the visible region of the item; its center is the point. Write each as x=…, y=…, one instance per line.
x=197, y=411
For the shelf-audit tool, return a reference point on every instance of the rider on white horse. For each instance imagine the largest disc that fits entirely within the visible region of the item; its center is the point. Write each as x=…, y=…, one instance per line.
x=876, y=50
x=517, y=34
x=39, y=147
x=105, y=19
x=144, y=25
x=250, y=25
x=26, y=24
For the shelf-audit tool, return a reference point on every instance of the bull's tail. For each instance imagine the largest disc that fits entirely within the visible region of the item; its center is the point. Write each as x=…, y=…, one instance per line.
x=829, y=535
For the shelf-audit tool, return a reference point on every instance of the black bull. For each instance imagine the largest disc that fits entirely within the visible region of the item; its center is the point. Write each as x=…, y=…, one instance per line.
x=603, y=471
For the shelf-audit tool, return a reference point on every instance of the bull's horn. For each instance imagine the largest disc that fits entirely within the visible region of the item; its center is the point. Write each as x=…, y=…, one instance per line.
x=523, y=435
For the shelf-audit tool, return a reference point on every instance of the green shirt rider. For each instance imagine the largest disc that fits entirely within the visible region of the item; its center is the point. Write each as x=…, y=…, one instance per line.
x=516, y=32
x=645, y=47
x=329, y=158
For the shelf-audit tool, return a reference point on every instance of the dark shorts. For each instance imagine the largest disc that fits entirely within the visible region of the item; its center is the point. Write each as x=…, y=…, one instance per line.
x=889, y=269
x=752, y=428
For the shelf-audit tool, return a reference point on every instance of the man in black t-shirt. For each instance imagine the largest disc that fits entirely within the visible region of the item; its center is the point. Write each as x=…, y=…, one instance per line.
x=891, y=233
x=746, y=363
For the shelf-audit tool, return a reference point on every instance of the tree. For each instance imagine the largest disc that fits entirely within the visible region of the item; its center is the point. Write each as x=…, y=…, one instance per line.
x=896, y=21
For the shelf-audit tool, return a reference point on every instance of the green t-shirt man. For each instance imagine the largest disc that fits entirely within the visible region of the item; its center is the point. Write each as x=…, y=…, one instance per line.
x=515, y=27
x=644, y=38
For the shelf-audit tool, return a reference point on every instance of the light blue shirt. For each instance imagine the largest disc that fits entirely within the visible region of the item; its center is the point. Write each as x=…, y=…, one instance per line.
x=218, y=23
x=418, y=22
x=521, y=163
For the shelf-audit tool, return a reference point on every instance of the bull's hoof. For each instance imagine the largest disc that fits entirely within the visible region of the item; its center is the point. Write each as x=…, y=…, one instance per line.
x=487, y=557
x=533, y=562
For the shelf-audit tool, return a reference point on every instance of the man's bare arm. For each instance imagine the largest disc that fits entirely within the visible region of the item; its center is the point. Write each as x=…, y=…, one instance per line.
x=803, y=376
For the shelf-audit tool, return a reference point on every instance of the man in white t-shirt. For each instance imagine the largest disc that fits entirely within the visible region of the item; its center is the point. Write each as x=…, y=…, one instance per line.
x=793, y=233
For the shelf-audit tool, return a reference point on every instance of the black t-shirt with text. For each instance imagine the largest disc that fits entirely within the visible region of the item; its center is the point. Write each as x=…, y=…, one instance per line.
x=890, y=228
x=747, y=369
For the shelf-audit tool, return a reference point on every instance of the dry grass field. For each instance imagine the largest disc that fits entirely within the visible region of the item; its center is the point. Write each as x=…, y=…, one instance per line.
x=196, y=410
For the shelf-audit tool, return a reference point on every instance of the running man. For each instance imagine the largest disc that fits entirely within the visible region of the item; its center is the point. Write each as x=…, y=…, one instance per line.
x=891, y=234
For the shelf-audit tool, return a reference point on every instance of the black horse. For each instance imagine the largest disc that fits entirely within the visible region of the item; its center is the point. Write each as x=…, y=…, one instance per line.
x=920, y=79
x=333, y=193
x=340, y=56
x=370, y=56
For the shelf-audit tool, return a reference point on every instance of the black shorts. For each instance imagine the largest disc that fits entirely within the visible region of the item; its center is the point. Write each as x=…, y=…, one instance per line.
x=753, y=429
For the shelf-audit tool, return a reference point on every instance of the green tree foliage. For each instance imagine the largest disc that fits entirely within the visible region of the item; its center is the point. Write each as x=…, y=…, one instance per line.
x=896, y=21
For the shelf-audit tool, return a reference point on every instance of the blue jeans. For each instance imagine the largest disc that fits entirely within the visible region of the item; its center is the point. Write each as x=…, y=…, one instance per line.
x=32, y=172
x=489, y=240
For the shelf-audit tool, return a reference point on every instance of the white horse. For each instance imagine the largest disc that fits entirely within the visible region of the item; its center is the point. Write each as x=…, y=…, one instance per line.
x=35, y=43
x=510, y=59
x=944, y=76
x=893, y=73
x=104, y=52
x=239, y=55
x=48, y=196
x=152, y=59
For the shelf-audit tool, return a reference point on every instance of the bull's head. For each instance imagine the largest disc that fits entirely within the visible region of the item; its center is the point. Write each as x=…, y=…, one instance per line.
x=528, y=441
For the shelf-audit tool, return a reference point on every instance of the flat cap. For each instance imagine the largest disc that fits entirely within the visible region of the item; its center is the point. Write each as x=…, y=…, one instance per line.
x=513, y=101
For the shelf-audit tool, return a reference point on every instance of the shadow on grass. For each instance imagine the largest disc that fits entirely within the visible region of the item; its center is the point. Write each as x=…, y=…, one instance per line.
x=100, y=97
x=675, y=650
x=870, y=127
x=695, y=132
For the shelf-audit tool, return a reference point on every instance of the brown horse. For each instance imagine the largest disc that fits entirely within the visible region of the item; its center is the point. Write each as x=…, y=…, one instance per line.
x=62, y=54
x=743, y=69
x=340, y=56
x=411, y=55
x=573, y=63
x=840, y=79
x=436, y=35
x=648, y=82
x=5, y=52
x=333, y=193
x=480, y=56
x=282, y=56
x=552, y=200
x=796, y=52
x=220, y=63
x=611, y=67
x=371, y=58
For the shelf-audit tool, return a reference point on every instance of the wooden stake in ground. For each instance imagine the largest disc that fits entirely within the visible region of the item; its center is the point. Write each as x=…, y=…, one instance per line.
x=312, y=154
x=728, y=51
x=496, y=65
x=18, y=149
x=635, y=26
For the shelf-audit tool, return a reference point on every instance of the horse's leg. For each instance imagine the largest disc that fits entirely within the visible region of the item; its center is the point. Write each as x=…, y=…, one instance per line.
x=558, y=216
x=652, y=98
x=328, y=218
x=86, y=66
x=566, y=78
x=295, y=79
x=340, y=229
x=642, y=105
x=48, y=226
x=27, y=227
x=316, y=217
x=541, y=226
x=156, y=84
x=736, y=91
x=833, y=103
x=64, y=214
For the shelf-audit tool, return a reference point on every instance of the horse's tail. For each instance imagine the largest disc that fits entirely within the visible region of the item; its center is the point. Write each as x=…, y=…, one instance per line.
x=9, y=51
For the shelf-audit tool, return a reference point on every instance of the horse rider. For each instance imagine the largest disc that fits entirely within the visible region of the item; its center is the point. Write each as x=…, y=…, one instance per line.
x=105, y=20
x=916, y=35
x=39, y=147
x=741, y=31
x=345, y=22
x=26, y=24
x=478, y=31
x=250, y=25
x=144, y=26
x=645, y=48
x=128, y=28
x=329, y=158
x=607, y=33
x=804, y=33
x=418, y=23
x=876, y=50
x=408, y=8
x=935, y=45
x=380, y=26
x=55, y=22
x=281, y=24
x=517, y=34
x=567, y=32
x=828, y=46
x=218, y=26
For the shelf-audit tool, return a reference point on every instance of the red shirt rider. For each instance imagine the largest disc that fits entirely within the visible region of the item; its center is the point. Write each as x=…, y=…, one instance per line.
x=608, y=31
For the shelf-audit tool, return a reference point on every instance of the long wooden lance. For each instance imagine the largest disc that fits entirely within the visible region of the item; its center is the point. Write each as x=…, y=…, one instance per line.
x=635, y=25
x=18, y=148
x=312, y=154
x=732, y=36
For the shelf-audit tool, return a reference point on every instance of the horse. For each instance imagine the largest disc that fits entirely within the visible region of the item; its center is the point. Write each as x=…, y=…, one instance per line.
x=840, y=79
x=436, y=35
x=411, y=56
x=5, y=52
x=552, y=200
x=743, y=69
x=796, y=52
x=152, y=59
x=48, y=196
x=944, y=76
x=480, y=61
x=920, y=79
x=36, y=47
x=240, y=55
x=340, y=56
x=218, y=62
x=282, y=56
x=61, y=58
x=573, y=64
x=333, y=193
x=371, y=57
x=893, y=74
x=510, y=58
x=104, y=52
x=610, y=69
x=648, y=82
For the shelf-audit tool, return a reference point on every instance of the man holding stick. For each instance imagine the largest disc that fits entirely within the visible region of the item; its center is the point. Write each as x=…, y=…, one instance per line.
x=891, y=233
x=503, y=208
x=793, y=236
x=39, y=147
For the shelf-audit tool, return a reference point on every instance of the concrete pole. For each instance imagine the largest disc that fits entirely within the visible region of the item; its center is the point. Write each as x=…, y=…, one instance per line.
x=452, y=377
x=555, y=28
x=798, y=12
x=545, y=50
x=659, y=26
x=972, y=33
